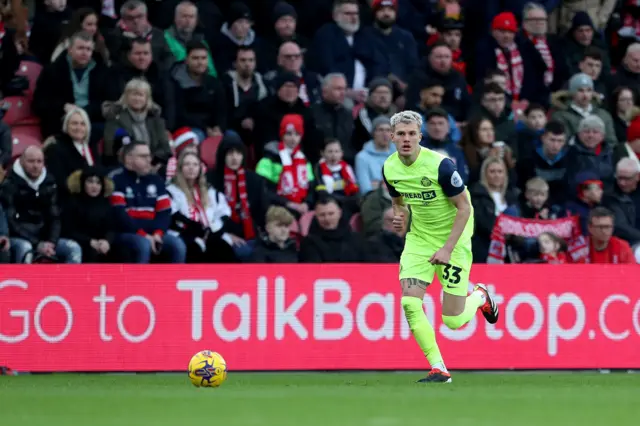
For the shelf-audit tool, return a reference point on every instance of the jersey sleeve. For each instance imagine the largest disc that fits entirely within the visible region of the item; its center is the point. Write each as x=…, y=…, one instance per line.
x=392, y=191
x=449, y=178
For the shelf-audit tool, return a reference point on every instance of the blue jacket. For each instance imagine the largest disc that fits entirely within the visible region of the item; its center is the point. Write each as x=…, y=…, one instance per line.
x=141, y=203
x=399, y=48
x=369, y=164
x=451, y=150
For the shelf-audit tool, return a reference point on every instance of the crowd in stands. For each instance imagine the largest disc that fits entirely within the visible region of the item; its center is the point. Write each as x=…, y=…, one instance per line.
x=218, y=131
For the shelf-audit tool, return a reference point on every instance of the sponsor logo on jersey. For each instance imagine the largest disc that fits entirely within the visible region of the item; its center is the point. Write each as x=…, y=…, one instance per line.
x=424, y=195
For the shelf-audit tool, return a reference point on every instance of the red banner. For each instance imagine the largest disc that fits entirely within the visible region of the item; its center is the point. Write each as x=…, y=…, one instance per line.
x=328, y=317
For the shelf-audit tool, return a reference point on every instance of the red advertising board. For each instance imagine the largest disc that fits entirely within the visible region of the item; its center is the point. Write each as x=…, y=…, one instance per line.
x=327, y=317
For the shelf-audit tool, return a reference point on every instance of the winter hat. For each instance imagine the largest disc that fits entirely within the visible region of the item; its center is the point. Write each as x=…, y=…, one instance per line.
x=237, y=11
x=581, y=19
x=505, y=21
x=284, y=9
x=121, y=139
x=449, y=24
x=592, y=122
x=379, y=4
x=183, y=137
x=292, y=122
x=633, y=131
x=286, y=77
x=585, y=179
x=379, y=121
x=580, y=81
x=379, y=81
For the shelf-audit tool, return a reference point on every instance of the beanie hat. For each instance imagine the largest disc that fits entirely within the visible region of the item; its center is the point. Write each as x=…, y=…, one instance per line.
x=283, y=9
x=581, y=19
x=592, y=122
x=586, y=179
x=379, y=81
x=505, y=21
x=292, y=122
x=379, y=4
x=121, y=139
x=286, y=77
x=380, y=121
x=237, y=11
x=580, y=81
x=633, y=131
x=449, y=24
x=183, y=137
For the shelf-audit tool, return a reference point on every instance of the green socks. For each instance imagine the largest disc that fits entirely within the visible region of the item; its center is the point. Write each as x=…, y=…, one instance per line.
x=422, y=331
x=474, y=301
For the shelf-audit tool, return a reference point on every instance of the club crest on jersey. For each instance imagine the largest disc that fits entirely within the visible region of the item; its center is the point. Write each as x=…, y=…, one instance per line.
x=426, y=182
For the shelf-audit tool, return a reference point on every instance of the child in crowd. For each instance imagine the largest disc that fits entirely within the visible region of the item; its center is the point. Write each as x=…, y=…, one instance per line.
x=276, y=246
x=184, y=140
x=551, y=248
x=334, y=176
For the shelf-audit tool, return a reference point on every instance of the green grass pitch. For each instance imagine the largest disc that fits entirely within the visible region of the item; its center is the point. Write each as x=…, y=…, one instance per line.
x=322, y=399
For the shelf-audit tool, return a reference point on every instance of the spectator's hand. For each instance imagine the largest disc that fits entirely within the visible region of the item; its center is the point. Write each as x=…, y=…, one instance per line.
x=5, y=244
x=237, y=241
x=69, y=107
x=155, y=249
x=441, y=257
x=358, y=95
x=247, y=123
x=104, y=246
x=47, y=248
x=215, y=132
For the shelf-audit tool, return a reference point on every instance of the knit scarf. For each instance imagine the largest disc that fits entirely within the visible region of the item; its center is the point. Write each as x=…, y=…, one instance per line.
x=126, y=32
x=235, y=189
x=140, y=131
x=458, y=63
x=197, y=212
x=347, y=183
x=543, y=48
x=294, y=182
x=514, y=71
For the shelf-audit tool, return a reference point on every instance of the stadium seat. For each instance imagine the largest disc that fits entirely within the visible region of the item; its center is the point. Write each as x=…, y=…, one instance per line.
x=305, y=222
x=32, y=71
x=208, y=149
x=356, y=223
x=32, y=130
x=294, y=232
x=17, y=110
x=21, y=141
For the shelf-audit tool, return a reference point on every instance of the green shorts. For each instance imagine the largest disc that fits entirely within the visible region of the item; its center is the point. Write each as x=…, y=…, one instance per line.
x=453, y=277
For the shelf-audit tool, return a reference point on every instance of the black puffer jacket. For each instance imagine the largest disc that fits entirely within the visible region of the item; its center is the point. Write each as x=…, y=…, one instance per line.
x=624, y=209
x=267, y=251
x=31, y=207
x=340, y=245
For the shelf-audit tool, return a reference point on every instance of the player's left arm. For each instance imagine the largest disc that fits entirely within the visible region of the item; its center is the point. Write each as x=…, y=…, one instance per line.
x=453, y=187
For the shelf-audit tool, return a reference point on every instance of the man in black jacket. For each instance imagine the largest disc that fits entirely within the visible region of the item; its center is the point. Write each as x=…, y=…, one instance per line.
x=621, y=203
x=29, y=197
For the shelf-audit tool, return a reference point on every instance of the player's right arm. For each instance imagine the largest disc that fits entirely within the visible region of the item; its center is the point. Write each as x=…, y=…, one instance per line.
x=400, y=210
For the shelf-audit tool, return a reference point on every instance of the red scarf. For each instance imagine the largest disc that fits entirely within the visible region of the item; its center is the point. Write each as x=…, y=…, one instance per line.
x=458, y=62
x=197, y=212
x=347, y=184
x=514, y=71
x=628, y=21
x=543, y=48
x=554, y=259
x=294, y=182
x=235, y=189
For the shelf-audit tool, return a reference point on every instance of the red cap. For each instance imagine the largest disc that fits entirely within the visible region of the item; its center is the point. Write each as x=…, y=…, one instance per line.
x=184, y=137
x=292, y=121
x=377, y=4
x=633, y=131
x=505, y=21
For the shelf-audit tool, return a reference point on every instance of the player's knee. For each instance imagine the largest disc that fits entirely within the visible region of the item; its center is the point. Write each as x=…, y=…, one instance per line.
x=411, y=306
x=453, y=322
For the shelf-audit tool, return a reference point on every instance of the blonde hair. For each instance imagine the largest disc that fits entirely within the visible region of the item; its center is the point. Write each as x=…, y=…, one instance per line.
x=280, y=215
x=137, y=84
x=483, y=173
x=406, y=117
x=85, y=117
x=537, y=184
x=200, y=184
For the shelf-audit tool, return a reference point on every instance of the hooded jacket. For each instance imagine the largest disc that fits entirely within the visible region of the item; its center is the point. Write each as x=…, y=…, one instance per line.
x=369, y=164
x=568, y=115
x=340, y=245
x=581, y=159
x=554, y=171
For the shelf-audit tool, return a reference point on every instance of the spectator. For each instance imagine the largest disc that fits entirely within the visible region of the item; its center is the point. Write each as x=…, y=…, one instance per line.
x=200, y=98
x=139, y=64
x=5, y=244
x=47, y=27
x=591, y=65
x=237, y=32
x=379, y=103
x=29, y=198
x=478, y=143
x=140, y=118
x=245, y=191
x=244, y=88
x=183, y=31
x=628, y=74
x=334, y=176
x=621, y=108
x=200, y=214
x=342, y=46
x=330, y=115
x=398, y=44
x=285, y=19
x=549, y=161
x=371, y=158
x=534, y=202
x=431, y=94
x=134, y=23
x=581, y=104
x=631, y=148
x=286, y=168
x=621, y=201
x=603, y=246
x=529, y=130
x=88, y=217
x=142, y=208
x=490, y=197
x=184, y=140
x=330, y=238
x=437, y=139
x=589, y=196
x=590, y=152
x=493, y=106
x=596, y=11
x=276, y=246
x=374, y=204
x=519, y=60
x=581, y=37
x=290, y=59
x=70, y=150
x=451, y=31
x=387, y=246
x=552, y=249
x=6, y=147
x=73, y=80
x=438, y=67
x=84, y=19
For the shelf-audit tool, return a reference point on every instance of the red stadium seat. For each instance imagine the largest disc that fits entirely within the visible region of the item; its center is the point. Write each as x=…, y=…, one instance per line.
x=294, y=232
x=208, y=149
x=32, y=71
x=18, y=110
x=31, y=130
x=21, y=141
x=356, y=223
x=305, y=222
